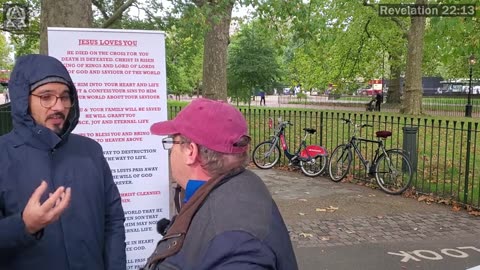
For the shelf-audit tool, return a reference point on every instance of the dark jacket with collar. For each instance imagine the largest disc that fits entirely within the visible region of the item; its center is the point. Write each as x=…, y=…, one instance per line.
x=238, y=226
x=90, y=233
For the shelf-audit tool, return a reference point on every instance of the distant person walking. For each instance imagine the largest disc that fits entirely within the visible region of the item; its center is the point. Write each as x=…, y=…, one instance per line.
x=378, y=101
x=262, y=98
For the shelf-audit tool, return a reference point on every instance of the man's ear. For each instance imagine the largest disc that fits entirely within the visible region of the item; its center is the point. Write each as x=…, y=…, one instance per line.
x=192, y=154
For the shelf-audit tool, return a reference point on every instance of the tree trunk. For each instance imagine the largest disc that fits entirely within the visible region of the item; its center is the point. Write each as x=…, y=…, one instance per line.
x=412, y=97
x=63, y=13
x=215, y=52
x=394, y=83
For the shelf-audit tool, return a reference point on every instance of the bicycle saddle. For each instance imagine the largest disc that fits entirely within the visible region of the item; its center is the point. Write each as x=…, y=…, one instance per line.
x=383, y=134
x=310, y=130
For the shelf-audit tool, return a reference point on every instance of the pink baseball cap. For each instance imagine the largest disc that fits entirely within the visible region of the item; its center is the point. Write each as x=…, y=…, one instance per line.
x=216, y=125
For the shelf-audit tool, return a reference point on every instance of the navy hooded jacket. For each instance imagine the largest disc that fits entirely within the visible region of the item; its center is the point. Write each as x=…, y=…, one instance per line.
x=90, y=233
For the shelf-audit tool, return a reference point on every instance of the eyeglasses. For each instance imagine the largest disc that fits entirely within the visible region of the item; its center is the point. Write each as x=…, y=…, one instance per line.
x=169, y=142
x=49, y=100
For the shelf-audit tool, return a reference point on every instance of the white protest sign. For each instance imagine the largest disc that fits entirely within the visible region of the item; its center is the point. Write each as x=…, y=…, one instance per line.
x=121, y=84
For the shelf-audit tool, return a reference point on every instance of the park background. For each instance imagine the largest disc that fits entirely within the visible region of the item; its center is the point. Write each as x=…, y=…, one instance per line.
x=314, y=55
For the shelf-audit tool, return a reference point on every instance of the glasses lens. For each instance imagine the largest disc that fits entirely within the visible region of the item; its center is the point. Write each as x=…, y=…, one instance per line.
x=48, y=100
x=167, y=143
x=66, y=101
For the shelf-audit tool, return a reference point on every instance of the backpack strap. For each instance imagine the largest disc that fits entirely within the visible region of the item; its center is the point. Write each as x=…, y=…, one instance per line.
x=181, y=223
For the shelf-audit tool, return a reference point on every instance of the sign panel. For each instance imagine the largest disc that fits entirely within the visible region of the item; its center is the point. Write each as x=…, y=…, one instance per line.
x=121, y=82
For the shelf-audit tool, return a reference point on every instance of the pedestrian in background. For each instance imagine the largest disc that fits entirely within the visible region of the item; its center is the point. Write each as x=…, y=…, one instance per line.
x=229, y=219
x=262, y=97
x=378, y=101
x=59, y=206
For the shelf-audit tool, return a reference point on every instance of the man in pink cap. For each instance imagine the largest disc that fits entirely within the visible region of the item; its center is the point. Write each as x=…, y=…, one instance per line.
x=229, y=219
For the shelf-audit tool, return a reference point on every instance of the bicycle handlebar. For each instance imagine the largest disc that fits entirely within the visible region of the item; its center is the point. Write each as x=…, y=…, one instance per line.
x=348, y=121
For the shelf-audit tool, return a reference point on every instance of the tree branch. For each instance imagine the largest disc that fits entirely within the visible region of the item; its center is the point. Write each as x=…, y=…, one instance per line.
x=100, y=7
x=17, y=32
x=394, y=19
x=117, y=14
x=199, y=3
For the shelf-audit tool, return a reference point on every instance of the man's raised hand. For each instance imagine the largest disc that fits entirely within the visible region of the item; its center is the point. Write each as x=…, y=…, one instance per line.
x=37, y=216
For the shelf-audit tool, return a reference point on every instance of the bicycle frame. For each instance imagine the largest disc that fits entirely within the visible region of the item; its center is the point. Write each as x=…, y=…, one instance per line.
x=354, y=141
x=308, y=152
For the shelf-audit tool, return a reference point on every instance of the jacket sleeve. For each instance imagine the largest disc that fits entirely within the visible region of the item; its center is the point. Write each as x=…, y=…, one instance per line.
x=13, y=234
x=238, y=251
x=114, y=250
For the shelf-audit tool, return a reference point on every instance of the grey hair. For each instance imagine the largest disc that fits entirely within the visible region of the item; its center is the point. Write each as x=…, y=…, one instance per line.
x=216, y=163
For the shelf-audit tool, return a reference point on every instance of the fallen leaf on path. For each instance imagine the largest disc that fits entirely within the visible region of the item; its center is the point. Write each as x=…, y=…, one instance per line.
x=332, y=209
x=324, y=238
x=306, y=235
x=321, y=210
x=474, y=213
x=301, y=214
x=425, y=198
x=445, y=201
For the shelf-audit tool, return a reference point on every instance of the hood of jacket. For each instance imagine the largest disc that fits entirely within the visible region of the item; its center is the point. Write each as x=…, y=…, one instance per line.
x=28, y=70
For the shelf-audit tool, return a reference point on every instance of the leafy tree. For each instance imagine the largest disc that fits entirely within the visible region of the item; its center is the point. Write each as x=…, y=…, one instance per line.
x=5, y=61
x=25, y=40
x=184, y=28
x=252, y=62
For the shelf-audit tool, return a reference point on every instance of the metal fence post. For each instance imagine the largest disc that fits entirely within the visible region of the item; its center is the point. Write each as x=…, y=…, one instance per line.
x=467, y=167
x=410, y=145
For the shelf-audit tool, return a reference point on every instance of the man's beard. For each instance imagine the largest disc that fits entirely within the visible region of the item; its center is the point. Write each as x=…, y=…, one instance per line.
x=59, y=129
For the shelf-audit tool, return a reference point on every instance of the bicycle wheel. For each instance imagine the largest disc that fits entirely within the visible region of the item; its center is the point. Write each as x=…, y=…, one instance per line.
x=339, y=162
x=314, y=166
x=393, y=172
x=266, y=155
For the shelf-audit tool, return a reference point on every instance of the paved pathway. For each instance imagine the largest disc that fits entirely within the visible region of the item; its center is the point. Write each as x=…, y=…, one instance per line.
x=323, y=216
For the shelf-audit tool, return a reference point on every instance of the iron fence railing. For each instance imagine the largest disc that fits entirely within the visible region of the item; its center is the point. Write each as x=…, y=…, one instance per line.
x=5, y=119
x=445, y=149
x=447, y=156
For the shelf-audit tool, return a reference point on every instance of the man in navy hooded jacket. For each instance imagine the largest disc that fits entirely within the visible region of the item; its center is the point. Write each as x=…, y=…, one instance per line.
x=59, y=206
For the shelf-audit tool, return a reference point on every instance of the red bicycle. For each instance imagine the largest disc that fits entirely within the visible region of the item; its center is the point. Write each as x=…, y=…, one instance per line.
x=312, y=159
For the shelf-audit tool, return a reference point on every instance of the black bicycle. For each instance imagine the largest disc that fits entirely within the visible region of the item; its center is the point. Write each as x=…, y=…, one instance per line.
x=391, y=168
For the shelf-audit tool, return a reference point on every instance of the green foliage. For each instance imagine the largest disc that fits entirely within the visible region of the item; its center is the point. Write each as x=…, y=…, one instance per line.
x=27, y=40
x=5, y=61
x=252, y=62
x=449, y=41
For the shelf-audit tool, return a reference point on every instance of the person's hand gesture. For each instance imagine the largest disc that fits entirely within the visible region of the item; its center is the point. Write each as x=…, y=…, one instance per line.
x=37, y=216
